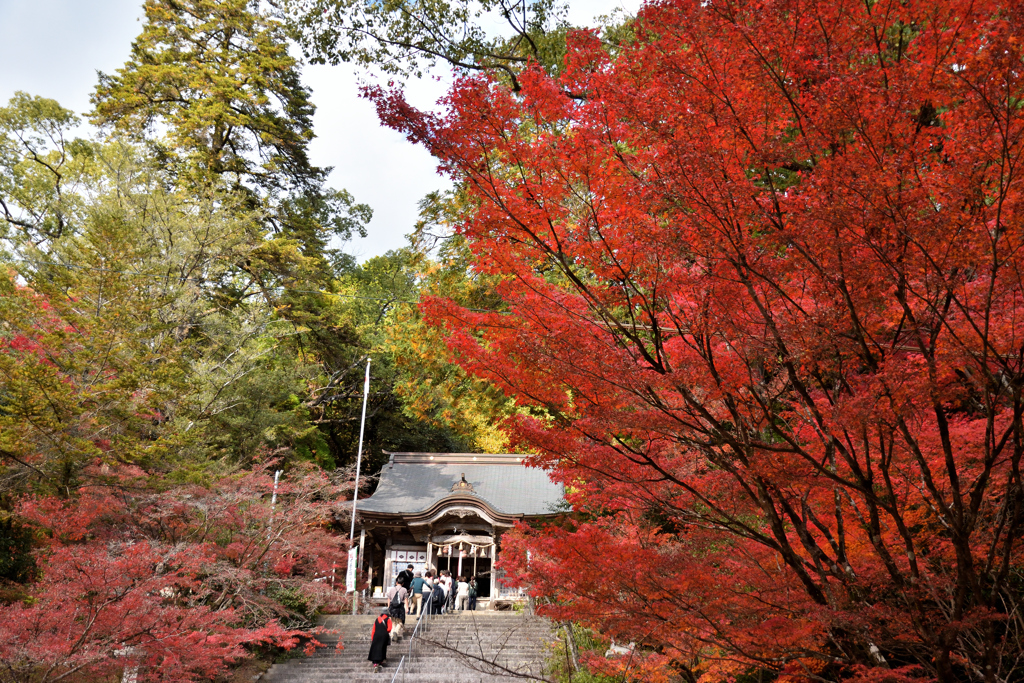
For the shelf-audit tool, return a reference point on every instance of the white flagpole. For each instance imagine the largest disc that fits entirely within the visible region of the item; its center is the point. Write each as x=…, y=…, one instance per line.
x=273, y=506
x=359, y=462
x=359, y=453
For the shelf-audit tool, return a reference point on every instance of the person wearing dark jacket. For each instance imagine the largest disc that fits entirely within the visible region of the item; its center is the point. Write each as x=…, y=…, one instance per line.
x=472, y=593
x=380, y=637
x=405, y=578
x=437, y=599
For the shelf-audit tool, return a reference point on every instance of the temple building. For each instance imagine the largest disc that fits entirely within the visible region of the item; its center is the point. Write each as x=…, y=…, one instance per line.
x=448, y=511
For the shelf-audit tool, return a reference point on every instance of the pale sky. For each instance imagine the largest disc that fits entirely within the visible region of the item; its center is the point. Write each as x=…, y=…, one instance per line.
x=53, y=48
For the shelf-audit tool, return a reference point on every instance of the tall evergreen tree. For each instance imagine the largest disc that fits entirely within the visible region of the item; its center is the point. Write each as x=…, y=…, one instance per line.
x=210, y=85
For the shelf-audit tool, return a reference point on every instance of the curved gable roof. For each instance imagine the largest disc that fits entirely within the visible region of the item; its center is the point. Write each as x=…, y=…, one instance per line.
x=414, y=482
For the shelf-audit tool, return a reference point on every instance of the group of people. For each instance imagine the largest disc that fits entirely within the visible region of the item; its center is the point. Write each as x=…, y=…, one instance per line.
x=418, y=593
x=433, y=594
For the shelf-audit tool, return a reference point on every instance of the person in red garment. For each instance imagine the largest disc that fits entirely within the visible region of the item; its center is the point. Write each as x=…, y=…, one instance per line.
x=380, y=636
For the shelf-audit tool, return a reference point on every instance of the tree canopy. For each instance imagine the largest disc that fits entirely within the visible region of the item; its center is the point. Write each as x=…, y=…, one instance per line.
x=745, y=277
x=212, y=87
x=500, y=37
x=179, y=322
x=760, y=294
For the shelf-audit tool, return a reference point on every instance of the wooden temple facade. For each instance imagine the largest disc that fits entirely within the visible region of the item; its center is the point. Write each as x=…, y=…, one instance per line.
x=448, y=511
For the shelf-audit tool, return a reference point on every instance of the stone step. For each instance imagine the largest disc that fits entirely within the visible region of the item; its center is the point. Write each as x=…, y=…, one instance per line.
x=368, y=673
x=422, y=662
x=426, y=667
x=502, y=667
x=424, y=654
x=420, y=656
x=442, y=651
x=327, y=662
x=440, y=636
x=490, y=653
x=437, y=676
x=385, y=675
x=479, y=614
x=434, y=628
x=442, y=641
x=455, y=628
x=440, y=675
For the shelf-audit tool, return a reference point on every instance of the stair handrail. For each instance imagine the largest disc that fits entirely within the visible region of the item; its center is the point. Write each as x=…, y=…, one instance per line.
x=415, y=630
x=399, y=668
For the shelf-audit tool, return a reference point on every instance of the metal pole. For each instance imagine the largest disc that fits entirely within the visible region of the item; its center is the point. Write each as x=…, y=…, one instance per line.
x=273, y=497
x=359, y=462
x=273, y=505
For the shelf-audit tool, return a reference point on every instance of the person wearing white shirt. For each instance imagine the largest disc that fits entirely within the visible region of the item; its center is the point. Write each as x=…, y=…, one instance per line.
x=462, y=594
x=446, y=584
x=428, y=588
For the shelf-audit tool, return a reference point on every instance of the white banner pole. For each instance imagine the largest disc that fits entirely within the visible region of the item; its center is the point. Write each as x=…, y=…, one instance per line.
x=273, y=506
x=355, y=492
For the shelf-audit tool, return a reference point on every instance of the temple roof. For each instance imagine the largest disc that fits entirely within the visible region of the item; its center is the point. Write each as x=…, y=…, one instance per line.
x=414, y=482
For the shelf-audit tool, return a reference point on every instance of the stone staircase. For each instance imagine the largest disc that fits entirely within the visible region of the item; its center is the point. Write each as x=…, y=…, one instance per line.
x=464, y=647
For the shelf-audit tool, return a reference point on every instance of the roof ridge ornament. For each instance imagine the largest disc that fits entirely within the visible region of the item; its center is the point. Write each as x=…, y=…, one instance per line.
x=462, y=485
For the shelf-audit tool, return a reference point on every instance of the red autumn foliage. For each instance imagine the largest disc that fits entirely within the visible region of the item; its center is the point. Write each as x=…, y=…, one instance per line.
x=179, y=583
x=137, y=569
x=761, y=275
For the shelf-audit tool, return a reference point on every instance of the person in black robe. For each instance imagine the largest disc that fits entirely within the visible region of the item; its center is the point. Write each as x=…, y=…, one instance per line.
x=380, y=637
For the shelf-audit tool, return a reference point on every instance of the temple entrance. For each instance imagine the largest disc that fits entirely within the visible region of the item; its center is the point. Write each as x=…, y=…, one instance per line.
x=447, y=512
x=480, y=567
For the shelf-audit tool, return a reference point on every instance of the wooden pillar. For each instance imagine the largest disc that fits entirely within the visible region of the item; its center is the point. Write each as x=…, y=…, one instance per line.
x=362, y=547
x=362, y=551
x=359, y=564
x=430, y=553
x=494, y=572
x=371, y=558
x=386, y=580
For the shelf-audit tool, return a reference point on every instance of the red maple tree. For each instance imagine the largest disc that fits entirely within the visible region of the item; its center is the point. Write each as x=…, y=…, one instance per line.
x=140, y=562
x=761, y=275
x=177, y=584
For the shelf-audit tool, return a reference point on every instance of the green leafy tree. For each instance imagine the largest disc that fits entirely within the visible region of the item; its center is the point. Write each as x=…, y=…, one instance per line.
x=40, y=169
x=407, y=37
x=79, y=382
x=432, y=386
x=155, y=344
x=359, y=322
x=211, y=87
